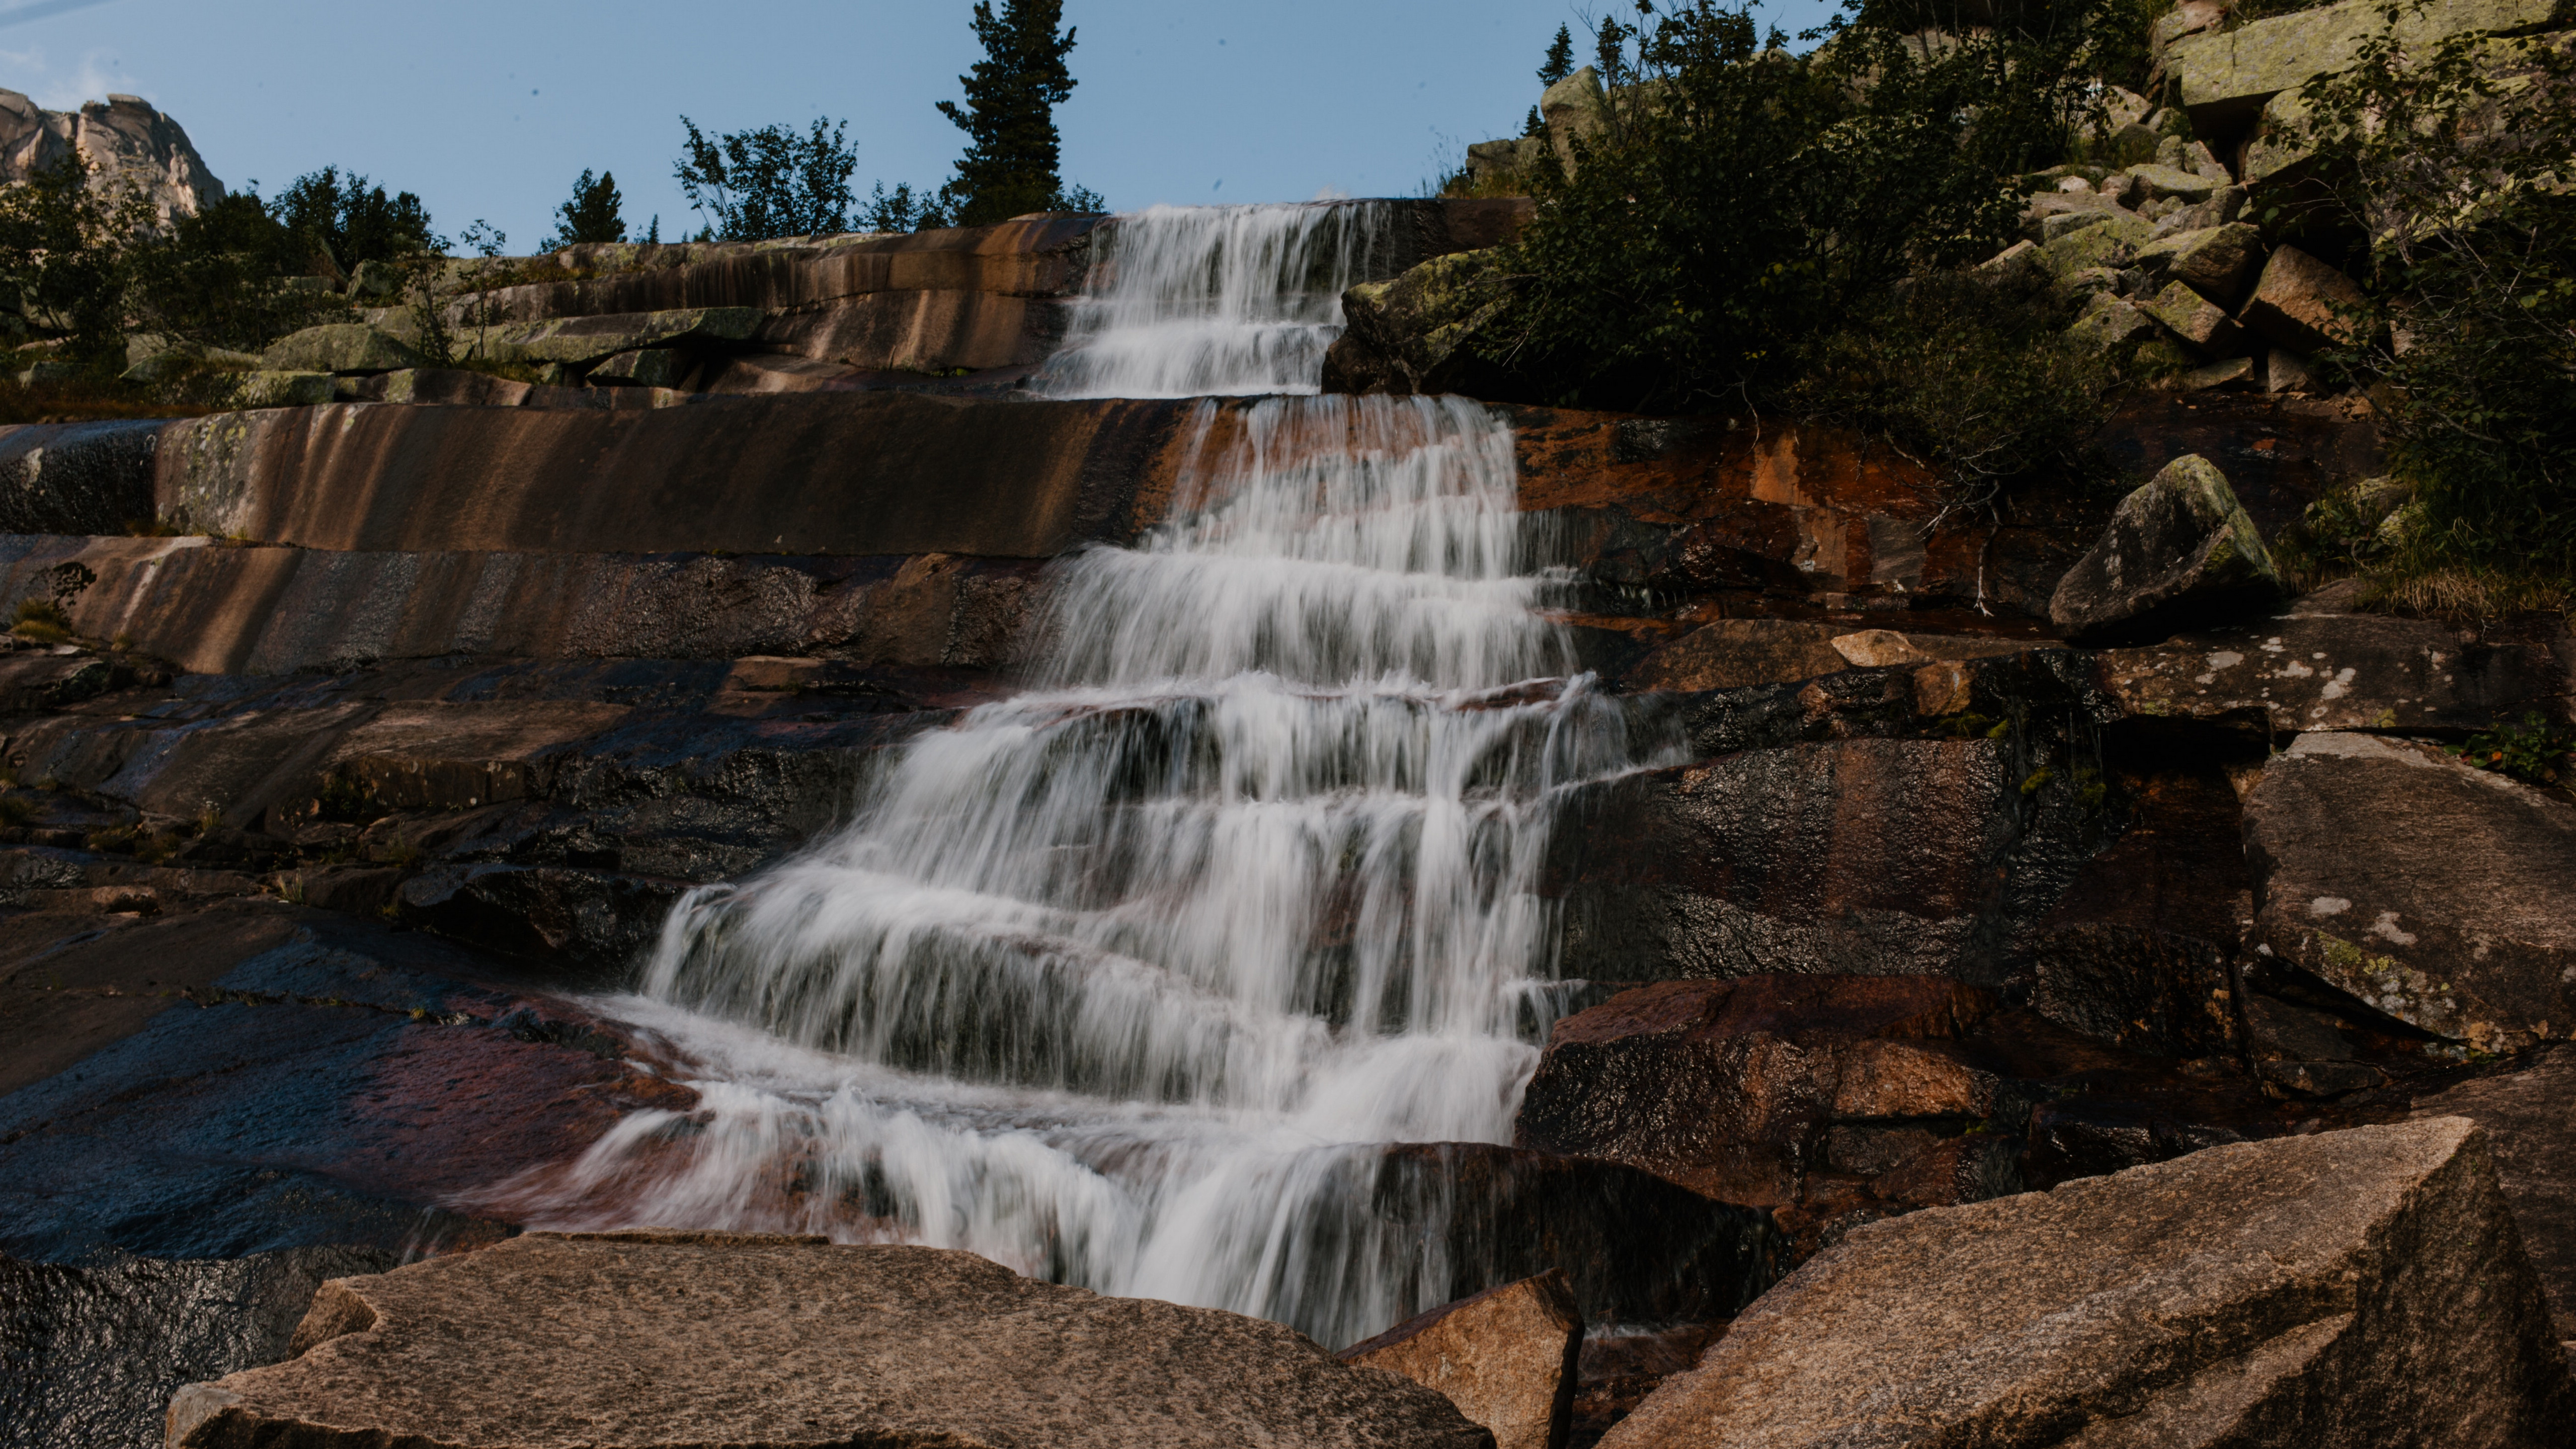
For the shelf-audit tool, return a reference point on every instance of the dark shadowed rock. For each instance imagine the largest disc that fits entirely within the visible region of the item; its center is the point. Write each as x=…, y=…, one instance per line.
x=90, y=1356
x=2138, y=951
x=1865, y=856
x=76, y=477
x=1737, y=653
x=1634, y=1247
x=2319, y=668
x=677, y=1339
x=2179, y=550
x=1731, y=1087
x=2439, y=894
x=1618, y=1371
x=2360, y=1287
x=2529, y=1118
x=1506, y=1357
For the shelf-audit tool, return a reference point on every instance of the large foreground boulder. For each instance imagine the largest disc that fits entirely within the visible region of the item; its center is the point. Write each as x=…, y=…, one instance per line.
x=2179, y=551
x=2360, y=1287
x=1506, y=1357
x=2442, y=895
x=2529, y=1117
x=679, y=1339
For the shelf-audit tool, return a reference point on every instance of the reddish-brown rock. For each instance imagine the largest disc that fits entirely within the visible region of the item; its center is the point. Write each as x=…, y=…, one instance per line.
x=1506, y=1357
x=1730, y=1087
x=2305, y=305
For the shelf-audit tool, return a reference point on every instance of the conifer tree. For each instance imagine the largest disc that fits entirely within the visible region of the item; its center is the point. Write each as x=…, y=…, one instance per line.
x=1012, y=152
x=593, y=213
x=1560, y=58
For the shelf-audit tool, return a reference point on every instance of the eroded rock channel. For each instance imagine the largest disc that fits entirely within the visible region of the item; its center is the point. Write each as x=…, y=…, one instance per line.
x=1180, y=835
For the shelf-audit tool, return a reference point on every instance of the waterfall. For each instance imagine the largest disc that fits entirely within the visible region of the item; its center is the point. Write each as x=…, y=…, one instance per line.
x=1126, y=980
x=1193, y=301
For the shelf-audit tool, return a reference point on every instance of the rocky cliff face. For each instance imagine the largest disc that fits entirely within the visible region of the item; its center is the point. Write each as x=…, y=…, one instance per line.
x=123, y=137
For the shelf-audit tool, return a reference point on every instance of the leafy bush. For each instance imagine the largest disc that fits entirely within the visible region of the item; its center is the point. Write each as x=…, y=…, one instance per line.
x=769, y=182
x=217, y=278
x=2452, y=166
x=2534, y=751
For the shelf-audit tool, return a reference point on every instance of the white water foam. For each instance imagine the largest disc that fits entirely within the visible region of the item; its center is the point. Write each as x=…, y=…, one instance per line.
x=1125, y=981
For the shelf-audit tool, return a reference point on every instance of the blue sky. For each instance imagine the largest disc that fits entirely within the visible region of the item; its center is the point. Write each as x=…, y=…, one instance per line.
x=491, y=109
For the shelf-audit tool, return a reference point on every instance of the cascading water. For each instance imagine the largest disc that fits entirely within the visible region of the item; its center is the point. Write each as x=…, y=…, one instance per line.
x=1126, y=980
x=1197, y=301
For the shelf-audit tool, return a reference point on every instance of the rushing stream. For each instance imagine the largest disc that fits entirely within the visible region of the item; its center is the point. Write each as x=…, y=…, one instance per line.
x=1123, y=980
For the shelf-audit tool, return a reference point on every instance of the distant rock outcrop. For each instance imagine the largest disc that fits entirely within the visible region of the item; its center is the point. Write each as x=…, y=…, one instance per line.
x=125, y=139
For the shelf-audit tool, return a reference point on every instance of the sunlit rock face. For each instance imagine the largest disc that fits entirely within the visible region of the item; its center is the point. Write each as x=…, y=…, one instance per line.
x=124, y=139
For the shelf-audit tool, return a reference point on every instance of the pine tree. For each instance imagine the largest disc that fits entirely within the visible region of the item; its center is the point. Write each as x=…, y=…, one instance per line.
x=591, y=215
x=1012, y=152
x=1608, y=52
x=1560, y=58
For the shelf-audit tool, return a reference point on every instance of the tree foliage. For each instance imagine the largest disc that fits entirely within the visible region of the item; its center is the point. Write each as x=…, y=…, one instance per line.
x=63, y=245
x=592, y=215
x=2453, y=164
x=218, y=278
x=1013, y=157
x=344, y=220
x=769, y=182
x=1740, y=203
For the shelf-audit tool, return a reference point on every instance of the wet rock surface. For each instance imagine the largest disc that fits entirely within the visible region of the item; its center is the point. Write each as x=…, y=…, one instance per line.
x=682, y=1339
x=256, y=1076
x=2365, y=1286
x=1861, y=856
x=91, y=1355
x=1506, y=1357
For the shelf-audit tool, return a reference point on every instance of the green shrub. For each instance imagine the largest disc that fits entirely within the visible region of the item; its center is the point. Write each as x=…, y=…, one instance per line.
x=63, y=252
x=1740, y=203
x=2451, y=166
x=2534, y=751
